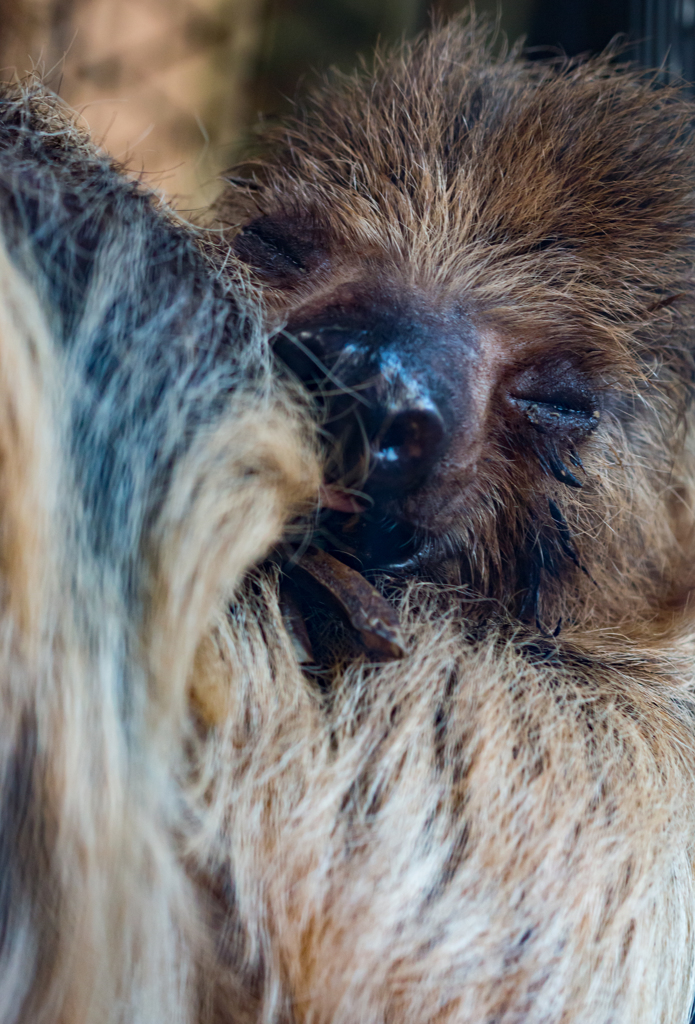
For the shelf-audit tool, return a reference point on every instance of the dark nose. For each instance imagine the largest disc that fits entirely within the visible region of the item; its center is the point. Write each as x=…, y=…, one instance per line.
x=385, y=409
x=409, y=437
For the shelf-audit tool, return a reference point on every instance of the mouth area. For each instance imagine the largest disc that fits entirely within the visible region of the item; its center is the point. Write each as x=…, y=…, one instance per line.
x=338, y=499
x=367, y=538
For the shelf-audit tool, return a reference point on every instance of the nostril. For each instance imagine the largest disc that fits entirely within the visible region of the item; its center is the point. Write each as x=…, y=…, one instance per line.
x=413, y=434
x=404, y=451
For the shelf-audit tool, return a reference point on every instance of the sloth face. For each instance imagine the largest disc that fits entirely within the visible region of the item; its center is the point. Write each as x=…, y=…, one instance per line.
x=481, y=270
x=428, y=404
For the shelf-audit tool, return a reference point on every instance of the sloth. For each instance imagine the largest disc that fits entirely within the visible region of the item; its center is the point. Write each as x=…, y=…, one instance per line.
x=346, y=547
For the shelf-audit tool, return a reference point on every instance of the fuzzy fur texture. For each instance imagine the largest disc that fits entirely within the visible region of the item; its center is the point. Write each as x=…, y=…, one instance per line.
x=499, y=827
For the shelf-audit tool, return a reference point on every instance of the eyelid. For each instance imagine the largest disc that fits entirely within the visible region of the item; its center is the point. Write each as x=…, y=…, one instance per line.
x=568, y=391
x=562, y=402
x=545, y=415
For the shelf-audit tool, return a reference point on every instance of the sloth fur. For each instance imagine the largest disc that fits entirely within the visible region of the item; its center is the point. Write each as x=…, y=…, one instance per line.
x=497, y=827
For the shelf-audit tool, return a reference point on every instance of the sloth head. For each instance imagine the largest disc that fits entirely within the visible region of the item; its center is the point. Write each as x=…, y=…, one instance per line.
x=482, y=269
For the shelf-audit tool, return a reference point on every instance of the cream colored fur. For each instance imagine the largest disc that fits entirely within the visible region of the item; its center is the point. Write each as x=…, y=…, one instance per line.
x=497, y=829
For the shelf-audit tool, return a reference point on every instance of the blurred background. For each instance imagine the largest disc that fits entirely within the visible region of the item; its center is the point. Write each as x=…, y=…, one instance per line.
x=173, y=88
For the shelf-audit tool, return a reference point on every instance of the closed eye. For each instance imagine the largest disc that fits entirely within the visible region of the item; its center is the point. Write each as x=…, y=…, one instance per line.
x=562, y=399
x=269, y=252
x=559, y=412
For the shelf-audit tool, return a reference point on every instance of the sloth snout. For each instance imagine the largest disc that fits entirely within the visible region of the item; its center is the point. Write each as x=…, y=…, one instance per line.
x=386, y=411
x=407, y=443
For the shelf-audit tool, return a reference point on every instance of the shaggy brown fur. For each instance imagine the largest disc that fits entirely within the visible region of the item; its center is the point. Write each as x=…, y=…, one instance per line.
x=498, y=827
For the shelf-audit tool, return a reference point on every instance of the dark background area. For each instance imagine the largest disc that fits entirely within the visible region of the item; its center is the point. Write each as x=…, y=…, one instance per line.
x=312, y=34
x=173, y=87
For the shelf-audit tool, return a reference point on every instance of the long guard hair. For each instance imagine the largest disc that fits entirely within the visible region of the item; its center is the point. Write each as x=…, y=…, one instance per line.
x=496, y=827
